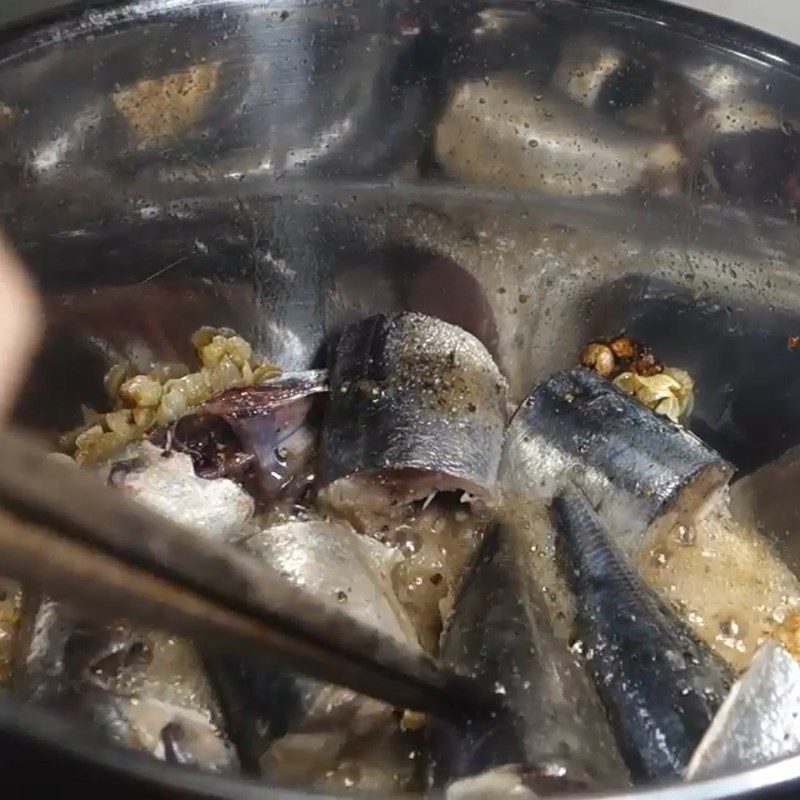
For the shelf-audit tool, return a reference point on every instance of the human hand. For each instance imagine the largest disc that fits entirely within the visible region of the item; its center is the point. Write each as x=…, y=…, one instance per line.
x=20, y=326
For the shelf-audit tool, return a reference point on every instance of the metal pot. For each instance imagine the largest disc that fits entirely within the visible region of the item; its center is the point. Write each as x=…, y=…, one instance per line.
x=538, y=172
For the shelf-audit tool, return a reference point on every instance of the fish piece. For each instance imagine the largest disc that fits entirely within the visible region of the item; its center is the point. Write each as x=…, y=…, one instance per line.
x=749, y=415
x=337, y=565
x=641, y=472
x=143, y=691
x=418, y=406
x=758, y=723
x=288, y=727
x=262, y=435
x=166, y=482
x=552, y=722
x=766, y=501
x=660, y=684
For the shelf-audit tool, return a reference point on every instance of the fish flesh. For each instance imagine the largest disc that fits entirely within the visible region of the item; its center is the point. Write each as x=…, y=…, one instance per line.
x=418, y=406
x=551, y=721
x=262, y=435
x=766, y=501
x=758, y=723
x=437, y=543
x=336, y=565
x=641, y=472
x=144, y=691
x=165, y=481
x=730, y=578
x=288, y=727
x=660, y=684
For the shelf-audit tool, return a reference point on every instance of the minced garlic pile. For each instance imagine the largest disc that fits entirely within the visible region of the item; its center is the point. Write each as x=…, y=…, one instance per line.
x=144, y=401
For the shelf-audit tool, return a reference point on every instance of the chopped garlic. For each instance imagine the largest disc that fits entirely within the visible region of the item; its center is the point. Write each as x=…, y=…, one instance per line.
x=670, y=393
x=141, y=391
x=167, y=392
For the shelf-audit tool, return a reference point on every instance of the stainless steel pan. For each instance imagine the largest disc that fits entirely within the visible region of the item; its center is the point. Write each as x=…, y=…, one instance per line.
x=538, y=172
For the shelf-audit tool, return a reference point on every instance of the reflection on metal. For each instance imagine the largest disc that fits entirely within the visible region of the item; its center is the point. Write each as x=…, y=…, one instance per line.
x=158, y=109
x=215, y=91
x=286, y=168
x=589, y=72
x=212, y=91
x=498, y=132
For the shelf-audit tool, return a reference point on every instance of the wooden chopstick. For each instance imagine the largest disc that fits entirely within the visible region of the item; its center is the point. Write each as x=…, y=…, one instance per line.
x=64, y=532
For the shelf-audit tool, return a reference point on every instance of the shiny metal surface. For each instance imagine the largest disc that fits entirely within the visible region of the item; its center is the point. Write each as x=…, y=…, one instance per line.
x=538, y=172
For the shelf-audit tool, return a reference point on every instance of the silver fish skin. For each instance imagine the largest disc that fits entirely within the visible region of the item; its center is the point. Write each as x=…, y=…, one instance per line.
x=660, y=684
x=417, y=406
x=288, y=727
x=167, y=483
x=766, y=500
x=143, y=691
x=636, y=467
x=552, y=723
x=759, y=721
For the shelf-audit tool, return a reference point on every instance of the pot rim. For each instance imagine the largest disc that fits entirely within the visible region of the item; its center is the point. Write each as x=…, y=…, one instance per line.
x=80, y=16
x=40, y=729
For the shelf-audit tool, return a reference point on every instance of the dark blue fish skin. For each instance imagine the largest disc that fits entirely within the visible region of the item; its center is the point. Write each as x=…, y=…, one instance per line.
x=549, y=719
x=661, y=686
x=636, y=467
